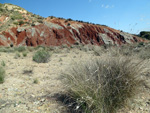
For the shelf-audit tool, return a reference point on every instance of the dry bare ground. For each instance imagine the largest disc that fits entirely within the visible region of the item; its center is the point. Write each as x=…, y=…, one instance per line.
x=32, y=87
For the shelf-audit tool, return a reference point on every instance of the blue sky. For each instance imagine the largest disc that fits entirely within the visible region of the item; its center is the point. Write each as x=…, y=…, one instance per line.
x=128, y=15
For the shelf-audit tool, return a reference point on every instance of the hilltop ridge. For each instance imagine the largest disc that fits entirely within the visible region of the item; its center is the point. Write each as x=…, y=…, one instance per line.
x=18, y=27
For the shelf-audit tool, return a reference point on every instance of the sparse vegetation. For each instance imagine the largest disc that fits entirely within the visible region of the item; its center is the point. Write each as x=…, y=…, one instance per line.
x=16, y=15
x=68, y=24
x=21, y=22
x=30, y=49
x=41, y=56
x=17, y=55
x=104, y=85
x=145, y=34
x=28, y=71
x=2, y=75
x=101, y=84
x=24, y=54
x=40, y=21
x=3, y=63
x=20, y=49
x=35, y=81
x=52, y=17
x=32, y=24
x=6, y=49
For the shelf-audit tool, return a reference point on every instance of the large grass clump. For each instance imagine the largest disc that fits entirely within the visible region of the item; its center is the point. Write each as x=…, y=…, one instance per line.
x=104, y=85
x=2, y=75
x=41, y=56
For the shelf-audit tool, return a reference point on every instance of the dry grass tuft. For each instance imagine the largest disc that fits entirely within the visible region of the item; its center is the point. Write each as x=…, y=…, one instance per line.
x=104, y=85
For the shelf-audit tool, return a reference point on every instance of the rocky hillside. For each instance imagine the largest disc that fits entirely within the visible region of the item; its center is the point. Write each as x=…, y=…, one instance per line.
x=20, y=27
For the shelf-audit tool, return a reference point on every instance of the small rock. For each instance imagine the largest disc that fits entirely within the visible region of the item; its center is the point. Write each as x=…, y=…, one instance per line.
x=140, y=108
x=148, y=103
x=20, y=29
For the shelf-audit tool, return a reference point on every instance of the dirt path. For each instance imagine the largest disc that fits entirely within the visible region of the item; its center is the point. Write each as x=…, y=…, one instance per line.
x=29, y=86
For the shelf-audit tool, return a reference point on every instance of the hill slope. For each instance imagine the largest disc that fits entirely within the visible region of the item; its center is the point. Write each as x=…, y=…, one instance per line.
x=19, y=27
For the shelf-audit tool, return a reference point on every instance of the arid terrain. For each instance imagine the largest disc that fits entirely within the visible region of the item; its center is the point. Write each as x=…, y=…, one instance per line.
x=31, y=87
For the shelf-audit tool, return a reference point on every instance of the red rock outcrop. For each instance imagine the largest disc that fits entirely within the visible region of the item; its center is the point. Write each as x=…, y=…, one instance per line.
x=55, y=32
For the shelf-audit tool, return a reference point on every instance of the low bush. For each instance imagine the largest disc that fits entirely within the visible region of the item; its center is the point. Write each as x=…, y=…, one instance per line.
x=16, y=15
x=20, y=48
x=30, y=49
x=24, y=54
x=40, y=21
x=17, y=55
x=32, y=24
x=41, y=56
x=40, y=47
x=21, y=22
x=16, y=23
x=2, y=75
x=35, y=81
x=145, y=34
x=104, y=85
x=3, y=63
x=6, y=49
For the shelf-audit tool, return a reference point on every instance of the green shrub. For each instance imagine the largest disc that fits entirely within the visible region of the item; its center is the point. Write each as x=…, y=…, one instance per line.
x=145, y=34
x=21, y=22
x=2, y=75
x=141, y=44
x=41, y=56
x=1, y=9
x=69, y=19
x=35, y=81
x=16, y=23
x=6, y=49
x=40, y=21
x=24, y=54
x=20, y=48
x=32, y=24
x=52, y=17
x=40, y=47
x=30, y=49
x=3, y=63
x=17, y=55
x=104, y=85
x=16, y=15
x=68, y=24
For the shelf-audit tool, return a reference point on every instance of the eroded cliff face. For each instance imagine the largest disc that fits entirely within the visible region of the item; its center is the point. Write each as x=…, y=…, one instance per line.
x=56, y=32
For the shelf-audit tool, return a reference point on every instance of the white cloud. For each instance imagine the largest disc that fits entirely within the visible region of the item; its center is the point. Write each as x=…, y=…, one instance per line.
x=107, y=6
x=141, y=19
